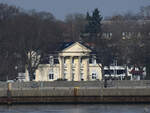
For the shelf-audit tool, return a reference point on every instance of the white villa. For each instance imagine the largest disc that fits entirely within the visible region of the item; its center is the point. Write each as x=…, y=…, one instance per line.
x=76, y=62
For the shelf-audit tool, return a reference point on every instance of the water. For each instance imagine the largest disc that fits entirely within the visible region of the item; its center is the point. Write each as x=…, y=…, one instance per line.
x=93, y=108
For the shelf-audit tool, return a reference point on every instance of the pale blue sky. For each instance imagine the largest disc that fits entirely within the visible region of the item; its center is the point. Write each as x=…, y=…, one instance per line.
x=60, y=8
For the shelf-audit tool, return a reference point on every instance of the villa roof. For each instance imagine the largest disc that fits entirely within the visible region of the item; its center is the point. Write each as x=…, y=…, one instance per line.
x=64, y=45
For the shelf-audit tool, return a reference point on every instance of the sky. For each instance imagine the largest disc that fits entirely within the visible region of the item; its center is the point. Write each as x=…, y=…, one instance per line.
x=60, y=8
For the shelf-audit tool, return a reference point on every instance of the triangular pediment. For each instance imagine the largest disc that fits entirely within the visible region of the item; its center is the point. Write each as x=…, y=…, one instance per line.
x=76, y=47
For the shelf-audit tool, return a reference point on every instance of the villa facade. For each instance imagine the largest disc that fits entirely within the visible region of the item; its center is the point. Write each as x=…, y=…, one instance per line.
x=74, y=62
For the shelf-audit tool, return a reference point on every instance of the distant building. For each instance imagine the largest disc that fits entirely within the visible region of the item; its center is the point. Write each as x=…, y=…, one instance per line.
x=137, y=74
x=74, y=62
x=123, y=72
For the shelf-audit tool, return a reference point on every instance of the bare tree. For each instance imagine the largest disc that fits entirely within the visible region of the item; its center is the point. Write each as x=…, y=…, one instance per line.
x=75, y=25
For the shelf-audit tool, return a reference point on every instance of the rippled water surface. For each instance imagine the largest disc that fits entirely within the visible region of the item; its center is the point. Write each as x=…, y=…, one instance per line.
x=90, y=108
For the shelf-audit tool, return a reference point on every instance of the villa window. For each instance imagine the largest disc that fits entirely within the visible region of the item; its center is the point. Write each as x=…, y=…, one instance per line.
x=56, y=61
x=51, y=76
x=92, y=61
x=94, y=76
x=51, y=60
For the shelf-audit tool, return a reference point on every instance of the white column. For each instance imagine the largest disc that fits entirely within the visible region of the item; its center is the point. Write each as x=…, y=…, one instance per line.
x=87, y=69
x=27, y=78
x=70, y=69
x=79, y=69
x=61, y=63
x=37, y=75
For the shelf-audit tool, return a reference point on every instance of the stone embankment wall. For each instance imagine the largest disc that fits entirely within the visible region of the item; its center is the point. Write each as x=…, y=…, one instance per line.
x=75, y=92
x=112, y=84
x=63, y=91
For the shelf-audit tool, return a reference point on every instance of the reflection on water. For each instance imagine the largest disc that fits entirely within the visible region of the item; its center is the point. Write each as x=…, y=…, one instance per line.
x=90, y=108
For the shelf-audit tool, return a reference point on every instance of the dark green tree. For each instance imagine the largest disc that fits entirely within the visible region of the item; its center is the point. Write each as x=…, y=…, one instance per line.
x=93, y=27
x=93, y=34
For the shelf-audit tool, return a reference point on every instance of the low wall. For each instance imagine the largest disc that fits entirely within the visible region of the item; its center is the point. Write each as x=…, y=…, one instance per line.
x=116, y=84
x=75, y=95
x=93, y=91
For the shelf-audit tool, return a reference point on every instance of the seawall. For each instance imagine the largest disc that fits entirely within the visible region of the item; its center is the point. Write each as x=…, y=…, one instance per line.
x=15, y=93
